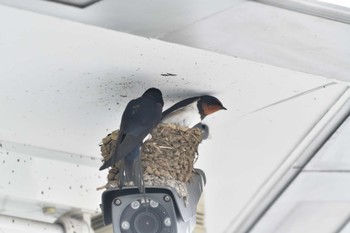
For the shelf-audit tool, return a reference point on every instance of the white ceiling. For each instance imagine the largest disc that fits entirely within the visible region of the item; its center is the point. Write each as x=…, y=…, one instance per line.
x=238, y=28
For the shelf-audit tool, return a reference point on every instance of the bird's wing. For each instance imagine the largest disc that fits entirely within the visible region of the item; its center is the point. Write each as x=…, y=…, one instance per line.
x=139, y=118
x=144, y=114
x=179, y=105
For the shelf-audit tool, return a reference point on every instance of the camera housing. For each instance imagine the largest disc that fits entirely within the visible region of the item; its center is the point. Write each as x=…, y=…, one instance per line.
x=158, y=210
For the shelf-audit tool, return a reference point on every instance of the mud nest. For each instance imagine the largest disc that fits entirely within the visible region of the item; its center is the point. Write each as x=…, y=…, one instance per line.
x=167, y=158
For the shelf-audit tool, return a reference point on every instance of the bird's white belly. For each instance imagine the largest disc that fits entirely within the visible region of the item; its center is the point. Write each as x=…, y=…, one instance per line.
x=187, y=116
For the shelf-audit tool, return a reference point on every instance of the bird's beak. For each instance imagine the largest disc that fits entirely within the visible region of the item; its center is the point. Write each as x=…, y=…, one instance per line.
x=222, y=107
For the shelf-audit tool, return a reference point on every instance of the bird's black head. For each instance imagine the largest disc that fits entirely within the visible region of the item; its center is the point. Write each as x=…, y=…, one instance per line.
x=208, y=104
x=154, y=94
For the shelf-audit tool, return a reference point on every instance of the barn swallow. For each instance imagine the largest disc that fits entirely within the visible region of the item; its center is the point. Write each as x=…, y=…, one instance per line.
x=140, y=116
x=192, y=111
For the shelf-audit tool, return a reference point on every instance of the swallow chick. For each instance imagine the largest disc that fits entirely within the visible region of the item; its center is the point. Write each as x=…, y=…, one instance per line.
x=140, y=116
x=192, y=111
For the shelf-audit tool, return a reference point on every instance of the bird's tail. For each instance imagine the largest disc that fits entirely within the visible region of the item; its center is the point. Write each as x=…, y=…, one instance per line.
x=107, y=163
x=131, y=172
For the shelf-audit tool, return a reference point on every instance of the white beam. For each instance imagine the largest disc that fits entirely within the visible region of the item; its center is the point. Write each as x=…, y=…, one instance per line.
x=19, y=225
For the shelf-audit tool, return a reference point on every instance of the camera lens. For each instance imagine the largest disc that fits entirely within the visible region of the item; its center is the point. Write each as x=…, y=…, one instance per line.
x=151, y=216
x=146, y=222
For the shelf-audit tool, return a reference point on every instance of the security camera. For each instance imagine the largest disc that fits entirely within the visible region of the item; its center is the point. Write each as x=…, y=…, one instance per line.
x=158, y=210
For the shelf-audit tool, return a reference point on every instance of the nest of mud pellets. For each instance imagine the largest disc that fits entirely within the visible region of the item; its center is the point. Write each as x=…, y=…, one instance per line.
x=167, y=158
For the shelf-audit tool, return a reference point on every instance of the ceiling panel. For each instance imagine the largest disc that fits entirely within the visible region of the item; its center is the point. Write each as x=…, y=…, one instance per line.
x=314, y=202
x=334, y=155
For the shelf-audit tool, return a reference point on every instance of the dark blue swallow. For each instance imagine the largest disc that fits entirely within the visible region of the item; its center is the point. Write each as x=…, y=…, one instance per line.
x=140, y=116
x=192, y=111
